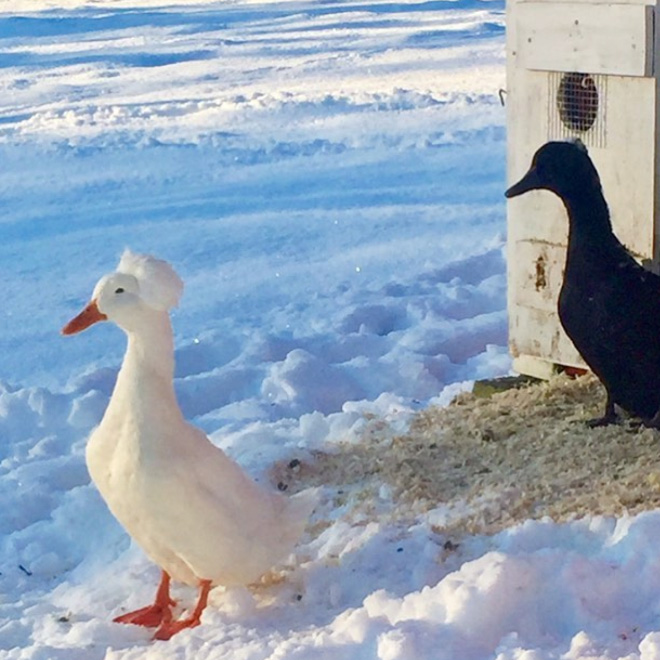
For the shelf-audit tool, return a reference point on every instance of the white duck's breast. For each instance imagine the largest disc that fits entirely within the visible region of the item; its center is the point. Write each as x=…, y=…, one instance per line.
x=120, y=470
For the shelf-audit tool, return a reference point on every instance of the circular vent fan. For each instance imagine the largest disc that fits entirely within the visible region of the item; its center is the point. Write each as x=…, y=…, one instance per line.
x=577, y=101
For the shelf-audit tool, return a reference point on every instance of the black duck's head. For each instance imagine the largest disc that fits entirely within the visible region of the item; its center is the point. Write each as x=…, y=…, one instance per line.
x=561, y=167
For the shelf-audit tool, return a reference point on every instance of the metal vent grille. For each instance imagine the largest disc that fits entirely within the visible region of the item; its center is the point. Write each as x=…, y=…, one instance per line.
x=577, y=104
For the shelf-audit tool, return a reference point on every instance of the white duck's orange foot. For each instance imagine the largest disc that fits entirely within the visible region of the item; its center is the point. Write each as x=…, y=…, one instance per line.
x=170, y=628
x=150, y=616
x=154, y=615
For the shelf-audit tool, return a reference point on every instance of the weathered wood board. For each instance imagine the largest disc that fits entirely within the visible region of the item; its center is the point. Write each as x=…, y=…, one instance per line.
x=612, y=39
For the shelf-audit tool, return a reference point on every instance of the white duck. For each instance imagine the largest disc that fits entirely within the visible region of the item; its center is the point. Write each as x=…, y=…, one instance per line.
x=193, y=510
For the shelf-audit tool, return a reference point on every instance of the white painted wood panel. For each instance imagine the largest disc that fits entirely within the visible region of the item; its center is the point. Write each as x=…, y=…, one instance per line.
x=536, y=333
x=538, y=274
x=627, y=159
x=598, y=39
x=627, y=164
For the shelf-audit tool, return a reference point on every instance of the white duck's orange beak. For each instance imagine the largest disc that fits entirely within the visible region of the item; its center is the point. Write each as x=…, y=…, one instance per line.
x=89, y=316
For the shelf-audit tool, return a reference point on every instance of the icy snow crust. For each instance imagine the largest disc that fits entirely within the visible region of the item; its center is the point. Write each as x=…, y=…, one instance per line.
x=327, y=178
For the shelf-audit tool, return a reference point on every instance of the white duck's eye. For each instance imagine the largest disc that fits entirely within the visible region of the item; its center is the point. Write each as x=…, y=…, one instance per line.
x=119, y=290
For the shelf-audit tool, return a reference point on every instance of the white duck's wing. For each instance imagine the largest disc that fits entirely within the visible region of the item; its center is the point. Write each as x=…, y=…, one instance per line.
x=217, y=520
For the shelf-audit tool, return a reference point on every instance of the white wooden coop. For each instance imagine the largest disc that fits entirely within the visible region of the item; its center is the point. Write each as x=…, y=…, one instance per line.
x=587, y=70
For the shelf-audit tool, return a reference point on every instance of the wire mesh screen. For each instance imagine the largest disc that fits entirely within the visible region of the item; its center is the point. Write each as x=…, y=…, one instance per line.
x=577, y=104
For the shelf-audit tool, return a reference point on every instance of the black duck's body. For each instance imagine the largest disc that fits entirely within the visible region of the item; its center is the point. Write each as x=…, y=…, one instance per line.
x=609, y=305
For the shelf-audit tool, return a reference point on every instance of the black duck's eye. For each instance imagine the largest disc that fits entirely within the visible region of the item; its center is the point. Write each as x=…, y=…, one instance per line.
x=119, y=290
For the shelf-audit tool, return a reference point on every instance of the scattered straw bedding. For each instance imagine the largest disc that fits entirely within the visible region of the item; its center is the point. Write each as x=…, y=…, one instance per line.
x=519, y=454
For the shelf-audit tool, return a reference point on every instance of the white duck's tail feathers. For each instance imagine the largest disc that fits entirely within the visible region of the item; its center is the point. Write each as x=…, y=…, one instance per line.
x=302, y=504
x=299, y=508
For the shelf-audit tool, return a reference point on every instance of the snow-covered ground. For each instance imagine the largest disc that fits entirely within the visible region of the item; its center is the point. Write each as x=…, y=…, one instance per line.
x=327, y=178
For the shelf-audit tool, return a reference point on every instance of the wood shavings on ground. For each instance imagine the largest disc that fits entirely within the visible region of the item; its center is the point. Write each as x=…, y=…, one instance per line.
x=492, y=462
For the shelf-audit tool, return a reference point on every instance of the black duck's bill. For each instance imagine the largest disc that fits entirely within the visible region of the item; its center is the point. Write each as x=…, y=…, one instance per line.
x=529, y=182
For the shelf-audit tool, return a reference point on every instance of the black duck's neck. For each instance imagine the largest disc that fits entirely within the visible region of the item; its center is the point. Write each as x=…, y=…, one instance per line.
x=589, y=220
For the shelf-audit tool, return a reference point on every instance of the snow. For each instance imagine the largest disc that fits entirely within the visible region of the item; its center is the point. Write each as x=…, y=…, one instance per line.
x=327, y=179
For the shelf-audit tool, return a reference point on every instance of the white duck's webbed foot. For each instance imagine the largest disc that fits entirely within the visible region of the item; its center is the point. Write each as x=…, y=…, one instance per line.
x=154, y=615
x=170, y=628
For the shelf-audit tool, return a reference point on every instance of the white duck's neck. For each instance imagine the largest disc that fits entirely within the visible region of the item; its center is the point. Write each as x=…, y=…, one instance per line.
x=150, y=348
x=145, y=381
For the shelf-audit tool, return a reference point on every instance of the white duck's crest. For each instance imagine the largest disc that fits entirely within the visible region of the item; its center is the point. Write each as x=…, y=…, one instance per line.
x=160, y=286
